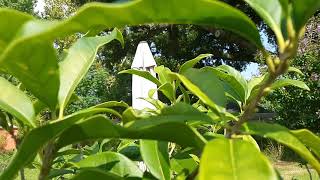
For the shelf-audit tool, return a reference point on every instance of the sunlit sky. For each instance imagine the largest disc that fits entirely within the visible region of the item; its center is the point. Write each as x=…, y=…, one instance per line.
x=251, y=69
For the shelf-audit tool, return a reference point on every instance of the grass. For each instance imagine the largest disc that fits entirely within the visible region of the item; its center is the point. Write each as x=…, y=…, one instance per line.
x=293, y=171
x=30, y=174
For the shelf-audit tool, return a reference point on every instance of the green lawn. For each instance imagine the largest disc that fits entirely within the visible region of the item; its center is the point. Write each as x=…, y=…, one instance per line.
x=292, y=171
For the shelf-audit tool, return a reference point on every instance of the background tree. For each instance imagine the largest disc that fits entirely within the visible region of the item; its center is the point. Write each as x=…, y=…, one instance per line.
x=21, y=5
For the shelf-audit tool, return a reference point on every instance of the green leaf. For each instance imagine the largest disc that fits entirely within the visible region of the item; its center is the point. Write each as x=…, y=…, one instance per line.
x=17, y=103
x=206, y=85
x=273, y=12
x=302, y=10
x=283, y=136
x=97, y=174
x=289, y=82
x=155, y=155
x=36, y=68
x=78, y=61
x=296, y=70
x=164, y=74
x=168, y=90
x=183, y=162
x=112, y=162
x=38, y=137
x=10, y=23
x=99, y=126
x=254, y=85
x=179, y=112
x=234, y=159
x=309, y=139
x=189, y=64
x=155, y=11
x=233, y=82
x=145, y=74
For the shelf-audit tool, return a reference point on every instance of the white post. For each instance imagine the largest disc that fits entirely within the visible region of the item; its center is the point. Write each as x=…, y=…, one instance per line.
x=143, y=60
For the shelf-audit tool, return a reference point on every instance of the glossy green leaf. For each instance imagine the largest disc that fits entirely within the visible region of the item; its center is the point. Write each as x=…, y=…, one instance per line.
x=192, y=62
x=168, y=90
x=251, y=140
x=96, y=174
x=302, y=10
x=7, y=17
x=283, y=136
x=309, y=139
x=179, y=112
x=17, y=103
x=95, y=128
x=112, y=162
x=78, y=61
x=36, y=68
x=183, y=162
x=254, y=85
x=233, y=82
x=164, y=74
x=145, y=74
x=234, y=159
x=206, y=85
x=289, y=82
x=155, y=155
x=38, y=137
x=273, y=12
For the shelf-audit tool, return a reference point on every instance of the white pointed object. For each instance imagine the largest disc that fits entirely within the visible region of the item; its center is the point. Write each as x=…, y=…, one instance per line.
x=143, y=60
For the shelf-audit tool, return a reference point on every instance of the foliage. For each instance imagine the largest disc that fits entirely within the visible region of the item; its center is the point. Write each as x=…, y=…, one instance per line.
x=306, y=113
x=179, y=139
x=21, y=5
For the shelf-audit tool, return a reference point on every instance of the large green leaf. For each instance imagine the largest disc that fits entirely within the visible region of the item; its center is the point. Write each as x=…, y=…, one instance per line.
x=145, y=74
x=17, y=103
x=192, y=62
x=206, y=85
x=99, y=126
x=38, y=137
x=155, y=155
x=78, y=61
x=111, y=162
x=309, y=139
x=96, y=174
x=234, y=159
x=283, y=136
x=35, y=64
x=289, y=82
x=302, y=10
x=10, y=23
x=273, y=12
